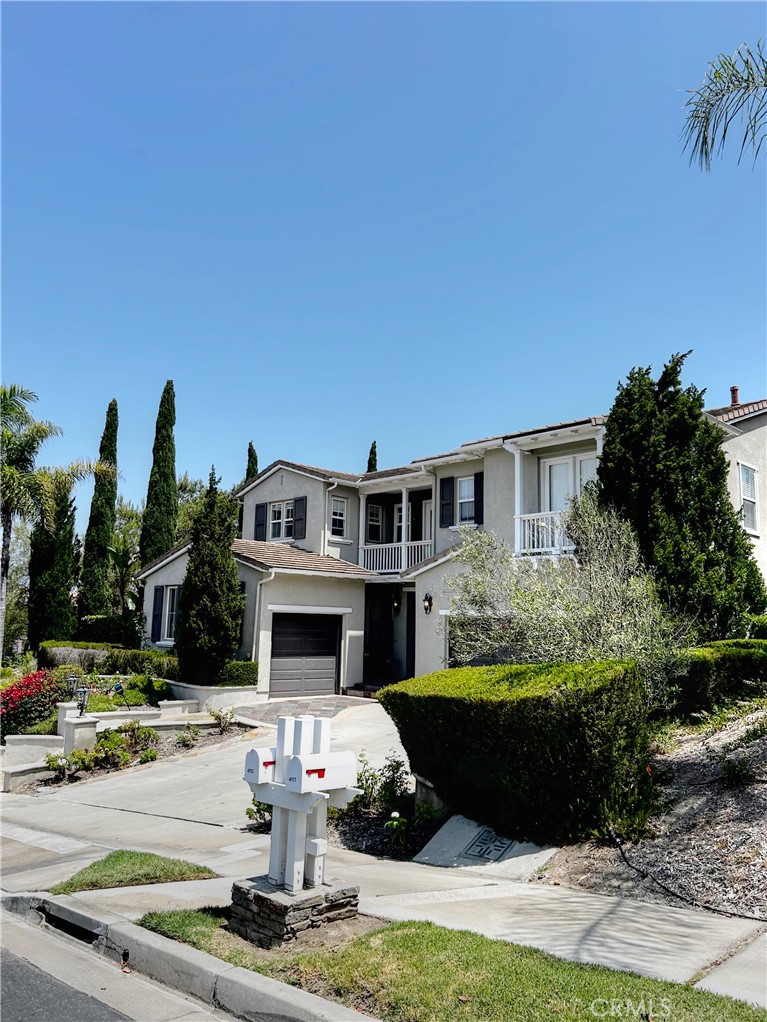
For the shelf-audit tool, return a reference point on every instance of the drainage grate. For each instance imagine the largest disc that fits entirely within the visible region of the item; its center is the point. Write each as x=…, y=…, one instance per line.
x=487, y=845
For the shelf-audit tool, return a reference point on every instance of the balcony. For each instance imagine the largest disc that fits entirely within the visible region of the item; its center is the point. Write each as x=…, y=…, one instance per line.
x=542, y=534
x=391, y=558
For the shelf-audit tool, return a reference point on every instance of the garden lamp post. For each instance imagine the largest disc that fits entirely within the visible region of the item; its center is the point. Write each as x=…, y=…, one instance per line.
x=72, y=685
x=82, y=698
x=120, y=691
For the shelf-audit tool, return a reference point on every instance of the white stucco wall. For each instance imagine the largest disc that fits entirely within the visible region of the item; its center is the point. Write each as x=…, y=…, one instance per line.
x=431, y=629
x=314, y=591
x=348, y=547
x=750, y=447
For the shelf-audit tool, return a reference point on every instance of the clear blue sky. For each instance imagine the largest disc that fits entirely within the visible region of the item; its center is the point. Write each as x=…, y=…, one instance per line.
x=329, y=223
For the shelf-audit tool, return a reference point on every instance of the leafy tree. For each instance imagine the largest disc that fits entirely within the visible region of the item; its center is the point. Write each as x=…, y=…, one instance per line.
x=158, y=529
x=663, y=469
x=53, y=568
x=734, y=87
x=211, y=605
x=252, y=469
x=191, y=496
x=95, y=587
x=373, y=458
x=600, y=605
x=28, y=492
x=18, y=589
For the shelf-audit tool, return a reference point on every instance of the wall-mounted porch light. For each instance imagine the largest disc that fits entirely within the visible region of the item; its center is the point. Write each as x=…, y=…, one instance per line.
x=427, y=603
x=396, y=603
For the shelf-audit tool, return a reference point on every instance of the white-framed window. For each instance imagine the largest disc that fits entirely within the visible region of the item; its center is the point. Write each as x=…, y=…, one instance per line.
x=338, y=516
x=748, y=498
x=171, y=613
x=281, y=520
x=375, y=523
x=466, y=500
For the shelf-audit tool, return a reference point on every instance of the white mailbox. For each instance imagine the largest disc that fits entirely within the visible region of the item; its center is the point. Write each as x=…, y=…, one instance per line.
x=259, y=766
x=321, y=771
x=299, y=778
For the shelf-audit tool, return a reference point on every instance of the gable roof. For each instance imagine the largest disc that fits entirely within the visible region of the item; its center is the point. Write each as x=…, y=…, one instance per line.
x=325, y=474
x=728, y=413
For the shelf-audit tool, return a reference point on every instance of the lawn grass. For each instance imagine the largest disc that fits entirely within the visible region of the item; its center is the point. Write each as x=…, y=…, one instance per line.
x=126, y=869
x=419, y=972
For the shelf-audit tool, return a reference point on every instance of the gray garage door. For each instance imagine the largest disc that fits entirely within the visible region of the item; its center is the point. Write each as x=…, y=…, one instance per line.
x=304, y=654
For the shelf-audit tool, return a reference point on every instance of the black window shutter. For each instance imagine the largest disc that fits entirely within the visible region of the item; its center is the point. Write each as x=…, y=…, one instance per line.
x=446, y=502
x=242, y=619
x=260, y=530
x=479, y=498
x=299, y=518
x=159, y=596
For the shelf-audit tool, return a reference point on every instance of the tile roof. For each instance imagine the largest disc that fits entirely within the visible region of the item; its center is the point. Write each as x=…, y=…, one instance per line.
x=730, y=412
x=386, y=472
x=284, y=555
x=171, y=553
x=591, y=420
x=427, y=562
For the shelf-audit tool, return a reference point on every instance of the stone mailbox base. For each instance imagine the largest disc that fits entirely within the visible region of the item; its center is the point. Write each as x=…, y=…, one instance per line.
x=270, y=917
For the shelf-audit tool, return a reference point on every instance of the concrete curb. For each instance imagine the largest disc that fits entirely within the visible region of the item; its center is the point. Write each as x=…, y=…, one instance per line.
x=244, y=994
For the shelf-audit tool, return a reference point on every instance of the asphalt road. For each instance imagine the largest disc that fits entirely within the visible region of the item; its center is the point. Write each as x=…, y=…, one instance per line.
x=30, y=995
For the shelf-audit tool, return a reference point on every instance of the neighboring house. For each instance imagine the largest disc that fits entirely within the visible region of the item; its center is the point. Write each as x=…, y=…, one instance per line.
x=344, y=575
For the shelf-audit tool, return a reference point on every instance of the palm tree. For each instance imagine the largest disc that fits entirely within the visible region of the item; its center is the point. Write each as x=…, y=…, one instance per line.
x=27, y=491
x=734, y=86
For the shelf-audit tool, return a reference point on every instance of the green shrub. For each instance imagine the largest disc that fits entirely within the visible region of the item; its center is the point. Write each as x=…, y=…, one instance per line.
x=188, y=737
x=544, y=751
x=152, y=689
x=140, y=661
x=757, y=627
x=239, y=672
x=110, y=628
x=148, y=756
x=29, y=701
x=719, y=671
x=138, y=737
x=87, y=655
x=111, y=751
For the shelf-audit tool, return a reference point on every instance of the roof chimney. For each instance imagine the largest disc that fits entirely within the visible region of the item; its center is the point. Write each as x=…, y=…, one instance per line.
x=734, y=399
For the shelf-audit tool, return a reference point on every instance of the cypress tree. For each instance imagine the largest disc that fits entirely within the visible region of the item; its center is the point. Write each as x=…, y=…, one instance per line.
x=95, y=587
x=373, y=458
x=252, y=470
x=211, y=604
x=158, y=528
x=53, y=566
x=664, y=470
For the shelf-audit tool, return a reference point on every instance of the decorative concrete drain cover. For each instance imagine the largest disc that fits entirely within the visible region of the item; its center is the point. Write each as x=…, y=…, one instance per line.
x=487, y=845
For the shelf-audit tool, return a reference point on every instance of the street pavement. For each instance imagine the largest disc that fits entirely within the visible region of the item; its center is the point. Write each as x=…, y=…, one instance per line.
x=193, y=807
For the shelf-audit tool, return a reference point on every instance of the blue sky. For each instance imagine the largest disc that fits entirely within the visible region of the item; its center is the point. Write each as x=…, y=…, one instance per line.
x=329, y=223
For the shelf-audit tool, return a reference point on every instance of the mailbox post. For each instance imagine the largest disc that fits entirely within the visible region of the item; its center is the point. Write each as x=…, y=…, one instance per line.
x=299, y=777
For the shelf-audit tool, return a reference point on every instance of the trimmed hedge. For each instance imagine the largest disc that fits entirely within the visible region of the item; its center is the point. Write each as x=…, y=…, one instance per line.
x=546, y=752
x=239, y=672
x=757, y=626
x=107, y=658
x=719, y=671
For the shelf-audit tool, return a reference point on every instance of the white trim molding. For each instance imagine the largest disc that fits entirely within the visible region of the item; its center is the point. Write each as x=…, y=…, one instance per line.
x=289, y=608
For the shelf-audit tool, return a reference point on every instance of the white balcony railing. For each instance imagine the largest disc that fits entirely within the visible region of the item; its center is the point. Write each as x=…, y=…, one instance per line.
x=542, y=534
x=387, y=557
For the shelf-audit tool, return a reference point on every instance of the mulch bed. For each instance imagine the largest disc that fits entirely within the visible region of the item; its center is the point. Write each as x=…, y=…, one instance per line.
x=709, y=844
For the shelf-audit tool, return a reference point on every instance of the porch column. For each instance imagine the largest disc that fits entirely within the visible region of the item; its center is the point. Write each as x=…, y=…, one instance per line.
x=361, y=538
x=403, y=549
x=518, y=505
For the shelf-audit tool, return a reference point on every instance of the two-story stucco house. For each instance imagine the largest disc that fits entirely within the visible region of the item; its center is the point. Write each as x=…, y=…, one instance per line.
x=344, y=575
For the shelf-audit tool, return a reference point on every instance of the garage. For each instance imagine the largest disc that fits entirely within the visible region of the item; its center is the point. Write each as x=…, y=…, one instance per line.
x=305, y=653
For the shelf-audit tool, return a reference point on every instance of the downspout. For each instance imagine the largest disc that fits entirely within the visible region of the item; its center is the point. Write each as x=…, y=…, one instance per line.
x=256, y=629
x=327, y=509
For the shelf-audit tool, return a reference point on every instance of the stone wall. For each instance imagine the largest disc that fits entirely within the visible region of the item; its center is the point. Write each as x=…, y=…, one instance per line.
x=269, y=917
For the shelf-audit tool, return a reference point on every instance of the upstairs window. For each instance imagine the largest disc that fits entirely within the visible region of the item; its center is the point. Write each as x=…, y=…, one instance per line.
x=338, y=517
x=281, y=520
x=466, y=500
x=748, y=498
x=375, y=523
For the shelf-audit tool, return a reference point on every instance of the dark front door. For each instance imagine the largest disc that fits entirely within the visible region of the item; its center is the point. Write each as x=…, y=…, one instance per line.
x=305, y=650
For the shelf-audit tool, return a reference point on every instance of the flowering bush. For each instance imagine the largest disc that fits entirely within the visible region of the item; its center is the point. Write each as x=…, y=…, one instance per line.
x=28, y=701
